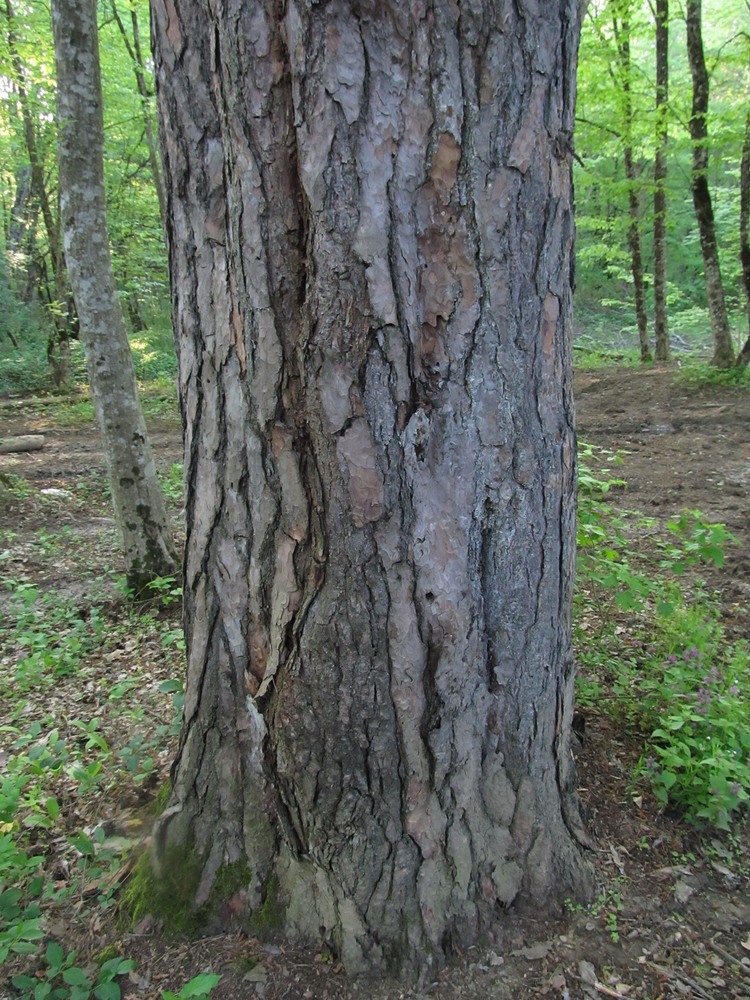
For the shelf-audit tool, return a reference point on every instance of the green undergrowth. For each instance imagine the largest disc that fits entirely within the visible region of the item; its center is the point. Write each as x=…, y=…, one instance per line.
x=75, y=743
x=653, y=652
x=696, y=374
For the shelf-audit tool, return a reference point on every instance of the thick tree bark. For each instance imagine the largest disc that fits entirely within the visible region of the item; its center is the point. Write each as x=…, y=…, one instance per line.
x=621, y=24
x=723, y=350
x=370, y=229
x=661, y=320
x=138, y=503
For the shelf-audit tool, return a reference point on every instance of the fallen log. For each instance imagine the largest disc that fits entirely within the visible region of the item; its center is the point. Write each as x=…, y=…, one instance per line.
x=24, y=442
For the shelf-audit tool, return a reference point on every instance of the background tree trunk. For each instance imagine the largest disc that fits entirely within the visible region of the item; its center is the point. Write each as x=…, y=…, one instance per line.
x=370, y=229
x=723, y=349
x=55, y=295
x=661, y=320
x=621, y=25
x=743, y=358
x=138, y=503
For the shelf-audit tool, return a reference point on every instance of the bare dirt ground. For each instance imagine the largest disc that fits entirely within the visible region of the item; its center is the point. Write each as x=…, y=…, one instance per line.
x=672, y=916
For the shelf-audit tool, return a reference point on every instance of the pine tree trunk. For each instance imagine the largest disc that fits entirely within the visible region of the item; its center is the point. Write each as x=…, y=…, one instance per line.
x=661, y=320
x=723, y=350
x=371, y=232
x=138, y=503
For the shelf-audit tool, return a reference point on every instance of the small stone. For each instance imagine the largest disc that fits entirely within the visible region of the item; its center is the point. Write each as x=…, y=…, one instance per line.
x=257, y=975
x=587, y=972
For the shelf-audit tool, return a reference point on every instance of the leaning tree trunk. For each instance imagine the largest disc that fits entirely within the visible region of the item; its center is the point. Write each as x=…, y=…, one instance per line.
x=138, y=503
x=723, y=350
x=661, y=320
x=370, y=228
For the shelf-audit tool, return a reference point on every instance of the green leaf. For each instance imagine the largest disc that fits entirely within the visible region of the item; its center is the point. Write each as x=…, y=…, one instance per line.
x=199, y=986
x=75, y=977
x=107, y=991
x=23, y=982
x=54, y=956
x=115, y=967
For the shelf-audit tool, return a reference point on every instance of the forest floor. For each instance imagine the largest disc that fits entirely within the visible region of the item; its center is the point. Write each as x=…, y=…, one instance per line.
x=672, y=913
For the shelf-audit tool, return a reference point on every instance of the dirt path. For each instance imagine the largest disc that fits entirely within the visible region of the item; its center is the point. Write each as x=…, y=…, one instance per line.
x=673, y=915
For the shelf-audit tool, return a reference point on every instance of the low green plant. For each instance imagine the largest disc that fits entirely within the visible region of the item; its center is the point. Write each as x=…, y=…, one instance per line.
x=672, y=673
x=172, y=482
x=699, y=749
x=606, y=906
x=164, y=590
x=78, y=413
x=62, y=979
x=696, y=373
x=13, y=487
x=50, y=636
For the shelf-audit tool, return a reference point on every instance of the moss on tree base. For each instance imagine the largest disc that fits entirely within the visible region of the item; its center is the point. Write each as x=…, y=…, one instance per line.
x=169, y=896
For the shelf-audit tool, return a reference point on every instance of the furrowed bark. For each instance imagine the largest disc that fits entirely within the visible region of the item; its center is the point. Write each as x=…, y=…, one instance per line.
x=370, y=230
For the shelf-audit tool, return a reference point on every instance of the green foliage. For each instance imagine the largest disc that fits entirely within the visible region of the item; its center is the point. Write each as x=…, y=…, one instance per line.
x=608, y=116
x=51, y=636
x=673, y=673
x=696, y=374
x=13, y=487
x=199, y=988
x=172, y=483
x=700, y=756
x=64, y=980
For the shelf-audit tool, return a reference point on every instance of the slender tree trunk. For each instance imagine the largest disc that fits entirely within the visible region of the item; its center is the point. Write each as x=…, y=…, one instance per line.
x=723, y=350
x=661, y=320
x=743, y=358
x=371, y=231
x=138, y=503
x=622, y=36
x=62, y=321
